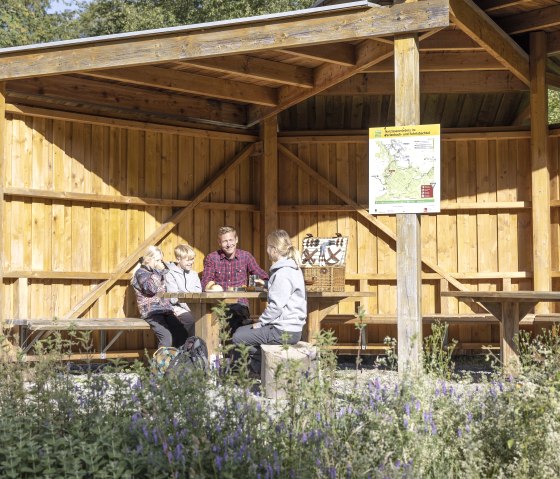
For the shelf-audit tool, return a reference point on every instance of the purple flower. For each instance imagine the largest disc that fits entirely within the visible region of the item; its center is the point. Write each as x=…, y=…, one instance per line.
x=407, y=409
x=219, y=462
x=304, y=438
x=459, y=432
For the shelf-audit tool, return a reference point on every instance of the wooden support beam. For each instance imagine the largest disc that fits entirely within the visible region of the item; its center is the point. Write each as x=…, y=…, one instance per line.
x=159, y=234
x=184, y=82
x=62, y=196
x=259, y=69
x=482, y=29
x=269, y=180
x=538, y=19
x=409, y=266
x=497, y=5
x=323, y=182
x=432, y=82
x=447, y=62
x=218, y=40
x=337, y=53
x=3, y=142
x=540, y=176
x=446, y=40
x=25, y=110
x=127, y=98
x=368, y=53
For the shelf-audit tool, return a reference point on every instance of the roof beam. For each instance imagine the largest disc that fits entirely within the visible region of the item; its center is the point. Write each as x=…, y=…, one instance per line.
x=553, y=43
x=339, y=54
x=184, y=82
x=482, y=29
x=448, y=62
x=530, y=21
x=259, y=69
x=368, y=53
x=331, y=26
x=446, y=40
x=65, y=88
x=496, y=5
x=432, y=82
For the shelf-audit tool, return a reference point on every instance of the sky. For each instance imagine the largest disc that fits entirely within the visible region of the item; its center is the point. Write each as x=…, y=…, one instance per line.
x=61, y=5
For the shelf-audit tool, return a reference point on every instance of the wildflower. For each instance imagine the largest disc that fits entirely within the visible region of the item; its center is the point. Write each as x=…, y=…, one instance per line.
x=219, y=462
x=304, y=438
x=407, y=409
x=459, y=432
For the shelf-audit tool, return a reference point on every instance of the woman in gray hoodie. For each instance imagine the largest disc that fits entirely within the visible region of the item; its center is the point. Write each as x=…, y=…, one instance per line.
x=286, y=311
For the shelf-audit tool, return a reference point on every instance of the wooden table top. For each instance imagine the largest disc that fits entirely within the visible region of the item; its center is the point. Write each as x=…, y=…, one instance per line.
x=502, y=296
x=218, y=295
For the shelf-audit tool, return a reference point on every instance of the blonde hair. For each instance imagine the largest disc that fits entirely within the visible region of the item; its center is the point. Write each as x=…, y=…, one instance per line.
x=184, y=251
x=224, y=230
x=150, y=252
x=281, y=241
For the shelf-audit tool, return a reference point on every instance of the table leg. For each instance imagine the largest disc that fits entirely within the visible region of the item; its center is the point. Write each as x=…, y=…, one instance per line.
x=206, y=326
x=509, y=329
x=316, y=312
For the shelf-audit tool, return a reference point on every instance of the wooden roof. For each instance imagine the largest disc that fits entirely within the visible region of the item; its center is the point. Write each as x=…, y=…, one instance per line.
x=236, y=73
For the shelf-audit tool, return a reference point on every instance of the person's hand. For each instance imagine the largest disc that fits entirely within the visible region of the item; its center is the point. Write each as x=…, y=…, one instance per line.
x=259, y=282
x=257, y=325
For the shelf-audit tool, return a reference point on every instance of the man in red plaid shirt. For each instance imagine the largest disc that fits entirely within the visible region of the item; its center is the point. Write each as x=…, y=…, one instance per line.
x=230, y=267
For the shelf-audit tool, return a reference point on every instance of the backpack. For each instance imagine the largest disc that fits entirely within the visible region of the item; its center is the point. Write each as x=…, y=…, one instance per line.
x=162, y=358
x=192, y=356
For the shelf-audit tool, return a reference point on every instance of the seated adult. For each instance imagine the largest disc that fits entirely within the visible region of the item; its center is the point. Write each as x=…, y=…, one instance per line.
x=230, y=267
x=181, y=278
x=286, y=312
x=147, y=282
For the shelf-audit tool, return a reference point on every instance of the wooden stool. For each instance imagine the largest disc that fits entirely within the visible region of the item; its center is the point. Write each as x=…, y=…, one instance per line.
x=274, y=355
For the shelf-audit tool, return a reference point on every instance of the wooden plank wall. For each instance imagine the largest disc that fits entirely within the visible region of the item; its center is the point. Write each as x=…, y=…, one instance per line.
x=56, y=249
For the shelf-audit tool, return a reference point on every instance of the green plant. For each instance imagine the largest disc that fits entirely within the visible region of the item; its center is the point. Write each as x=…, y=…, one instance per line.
x=438, y=352
x=390, y=360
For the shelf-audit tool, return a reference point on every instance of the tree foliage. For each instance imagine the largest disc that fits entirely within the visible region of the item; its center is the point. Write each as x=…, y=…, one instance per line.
x=24, y=22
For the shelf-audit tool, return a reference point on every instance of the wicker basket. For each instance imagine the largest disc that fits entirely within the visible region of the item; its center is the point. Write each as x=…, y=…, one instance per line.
x=324, y=278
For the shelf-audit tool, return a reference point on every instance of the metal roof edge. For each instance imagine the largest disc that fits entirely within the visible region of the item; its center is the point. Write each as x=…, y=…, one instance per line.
x=359, y=4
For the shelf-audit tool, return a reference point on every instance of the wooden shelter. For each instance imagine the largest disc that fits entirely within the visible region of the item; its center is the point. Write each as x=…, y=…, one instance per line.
x=110, y=144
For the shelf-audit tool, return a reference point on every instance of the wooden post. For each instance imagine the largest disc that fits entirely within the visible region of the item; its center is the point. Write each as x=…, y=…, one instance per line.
x=540, y=176
x=409, y=269
x=3, y=159
x=269, y=181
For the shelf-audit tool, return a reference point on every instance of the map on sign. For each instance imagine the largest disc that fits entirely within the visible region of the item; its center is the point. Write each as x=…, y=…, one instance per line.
x=404, y=169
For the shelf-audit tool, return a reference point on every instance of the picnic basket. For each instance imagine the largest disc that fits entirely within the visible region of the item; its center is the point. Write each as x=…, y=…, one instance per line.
x=324, y=262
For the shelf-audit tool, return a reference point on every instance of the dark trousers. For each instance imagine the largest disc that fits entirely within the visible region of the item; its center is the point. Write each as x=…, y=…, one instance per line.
x=238, y=316
x=264, y=335
x=168, y=330
x=187, y=320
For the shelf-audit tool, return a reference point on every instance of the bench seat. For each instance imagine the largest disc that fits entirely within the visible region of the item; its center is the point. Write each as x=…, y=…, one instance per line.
x=32, y=330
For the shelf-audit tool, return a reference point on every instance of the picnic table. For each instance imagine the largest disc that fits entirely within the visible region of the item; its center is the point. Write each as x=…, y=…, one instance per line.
x=319, y=304
x=509, y=307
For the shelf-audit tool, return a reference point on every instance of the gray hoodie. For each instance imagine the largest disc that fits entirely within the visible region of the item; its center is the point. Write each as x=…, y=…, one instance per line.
x=178, y=280
x=287, y=302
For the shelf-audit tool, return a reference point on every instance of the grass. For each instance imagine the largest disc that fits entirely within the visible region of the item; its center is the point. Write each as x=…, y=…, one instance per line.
x=125, y=422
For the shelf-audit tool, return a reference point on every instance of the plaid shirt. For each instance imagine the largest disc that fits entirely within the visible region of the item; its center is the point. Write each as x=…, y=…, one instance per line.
x=231, y=273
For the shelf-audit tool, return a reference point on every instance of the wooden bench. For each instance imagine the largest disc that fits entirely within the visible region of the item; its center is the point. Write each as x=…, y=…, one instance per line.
x=32, y=330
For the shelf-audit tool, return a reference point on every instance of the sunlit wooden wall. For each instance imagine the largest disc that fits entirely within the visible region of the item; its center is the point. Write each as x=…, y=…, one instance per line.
x=74, y=195
x=80, y=197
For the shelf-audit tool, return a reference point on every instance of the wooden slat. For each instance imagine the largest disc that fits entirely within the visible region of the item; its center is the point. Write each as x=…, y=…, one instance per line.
x=157, y=235
x=232, y=38
x=475, y=23
x=362, y=212
x=184, y=82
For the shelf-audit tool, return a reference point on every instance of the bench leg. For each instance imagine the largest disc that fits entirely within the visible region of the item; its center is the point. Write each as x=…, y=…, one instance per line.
x=103, y=339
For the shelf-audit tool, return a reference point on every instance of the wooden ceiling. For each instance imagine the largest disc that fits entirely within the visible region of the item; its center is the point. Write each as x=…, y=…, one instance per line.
x=233, y=74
